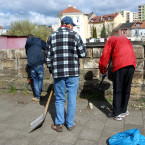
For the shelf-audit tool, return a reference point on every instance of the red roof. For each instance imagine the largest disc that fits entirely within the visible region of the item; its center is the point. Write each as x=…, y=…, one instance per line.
x=70, y=9
x=139, y=24
x=103, y=18
x=2, y=27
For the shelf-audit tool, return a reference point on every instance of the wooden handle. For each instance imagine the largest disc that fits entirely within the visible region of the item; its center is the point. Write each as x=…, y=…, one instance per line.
x=46, y=108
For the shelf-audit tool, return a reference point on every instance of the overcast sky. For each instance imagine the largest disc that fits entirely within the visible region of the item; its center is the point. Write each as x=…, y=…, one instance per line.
x=45, y=11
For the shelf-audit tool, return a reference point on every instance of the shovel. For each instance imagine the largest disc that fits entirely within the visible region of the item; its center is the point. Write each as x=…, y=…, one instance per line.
x=103, y=77
x=100, y=85
x=39, y=121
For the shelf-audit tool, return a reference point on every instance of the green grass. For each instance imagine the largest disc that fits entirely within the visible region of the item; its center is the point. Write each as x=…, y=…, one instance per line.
x=12, y=89
x=3, y=92
x=25, y=91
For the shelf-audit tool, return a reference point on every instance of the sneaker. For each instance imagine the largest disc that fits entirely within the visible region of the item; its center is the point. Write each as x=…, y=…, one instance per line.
x=124, y=114
x=118, y=117
x=35, y=99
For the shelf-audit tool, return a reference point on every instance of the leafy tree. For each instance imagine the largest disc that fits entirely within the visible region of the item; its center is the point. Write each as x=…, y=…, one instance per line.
x=21, y=28
x=103, y=32
x=94, y=32
x=42, y=32
x=24, y=27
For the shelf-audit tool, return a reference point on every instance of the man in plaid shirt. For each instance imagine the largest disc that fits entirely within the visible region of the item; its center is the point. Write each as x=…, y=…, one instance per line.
x=64, y=48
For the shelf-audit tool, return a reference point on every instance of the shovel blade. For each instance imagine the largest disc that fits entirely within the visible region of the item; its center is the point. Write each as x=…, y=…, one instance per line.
x=37, y=122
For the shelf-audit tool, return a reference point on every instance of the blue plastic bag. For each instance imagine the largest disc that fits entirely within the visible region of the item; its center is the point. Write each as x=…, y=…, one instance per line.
x=129, y=137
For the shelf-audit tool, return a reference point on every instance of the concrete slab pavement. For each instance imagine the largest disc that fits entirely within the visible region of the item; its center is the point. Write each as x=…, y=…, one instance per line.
x=93, y=126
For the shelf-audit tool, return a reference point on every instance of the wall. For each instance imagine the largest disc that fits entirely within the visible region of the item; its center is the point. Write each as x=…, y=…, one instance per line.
x=13, y=72
x=12, y=42
x=139, y=32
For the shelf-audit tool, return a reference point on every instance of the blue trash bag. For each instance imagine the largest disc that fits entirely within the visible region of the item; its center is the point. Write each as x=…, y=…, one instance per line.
x=128, y=137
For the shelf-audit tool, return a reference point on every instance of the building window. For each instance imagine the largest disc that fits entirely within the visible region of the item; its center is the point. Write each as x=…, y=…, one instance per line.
x=78, y=19
x=109, y=18
x=137, y=24
x=78, y=29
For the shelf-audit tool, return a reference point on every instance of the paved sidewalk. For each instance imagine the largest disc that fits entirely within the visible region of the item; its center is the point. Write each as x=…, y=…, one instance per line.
x=93, y=127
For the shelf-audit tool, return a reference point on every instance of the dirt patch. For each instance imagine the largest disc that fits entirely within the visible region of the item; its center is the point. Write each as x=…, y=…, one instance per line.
x=136, y=105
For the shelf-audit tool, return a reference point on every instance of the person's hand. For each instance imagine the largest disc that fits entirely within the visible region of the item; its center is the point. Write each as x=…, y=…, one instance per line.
x=104, y=75
x=50, y=70
x=27, y=67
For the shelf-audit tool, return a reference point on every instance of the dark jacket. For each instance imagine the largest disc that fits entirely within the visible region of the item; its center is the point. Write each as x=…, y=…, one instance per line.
x=34, y=52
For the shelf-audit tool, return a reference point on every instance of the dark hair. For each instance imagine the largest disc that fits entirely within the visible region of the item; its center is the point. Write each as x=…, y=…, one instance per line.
x=29, y=35
x=62, y=22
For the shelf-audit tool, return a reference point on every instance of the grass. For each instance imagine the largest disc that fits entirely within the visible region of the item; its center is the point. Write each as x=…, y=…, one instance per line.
x=25, y=92
x=12, y=89
x=3, y=92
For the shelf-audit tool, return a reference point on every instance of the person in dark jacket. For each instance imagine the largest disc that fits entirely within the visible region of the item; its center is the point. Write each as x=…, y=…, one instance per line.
x=35, y=60
x=120, y=51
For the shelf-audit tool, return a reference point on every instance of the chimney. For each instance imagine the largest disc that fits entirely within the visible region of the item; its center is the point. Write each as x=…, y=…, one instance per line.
x=69, y=6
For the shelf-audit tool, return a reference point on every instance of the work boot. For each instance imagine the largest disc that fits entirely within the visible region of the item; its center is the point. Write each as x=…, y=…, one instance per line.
x=35, y=99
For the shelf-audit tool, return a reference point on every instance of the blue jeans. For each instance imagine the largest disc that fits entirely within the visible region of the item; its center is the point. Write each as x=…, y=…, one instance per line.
x=37, y=76
x=71, y=84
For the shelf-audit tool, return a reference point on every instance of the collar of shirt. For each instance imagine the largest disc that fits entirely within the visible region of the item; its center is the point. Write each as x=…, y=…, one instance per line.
x=65, y=26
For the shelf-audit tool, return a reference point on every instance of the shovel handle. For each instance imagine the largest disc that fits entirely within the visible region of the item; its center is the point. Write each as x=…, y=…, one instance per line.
x=46, y=108
x=100, y=85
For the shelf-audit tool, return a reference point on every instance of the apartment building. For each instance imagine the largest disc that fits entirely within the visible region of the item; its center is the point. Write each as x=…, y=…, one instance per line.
x=129, y=16
x=141, y=12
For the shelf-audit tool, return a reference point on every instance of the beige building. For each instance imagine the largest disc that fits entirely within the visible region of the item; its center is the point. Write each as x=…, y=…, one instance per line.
x=110, y=22
x=79, y=18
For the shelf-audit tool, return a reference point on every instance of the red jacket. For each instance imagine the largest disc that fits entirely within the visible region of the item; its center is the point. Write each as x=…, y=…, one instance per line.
x=120, y=50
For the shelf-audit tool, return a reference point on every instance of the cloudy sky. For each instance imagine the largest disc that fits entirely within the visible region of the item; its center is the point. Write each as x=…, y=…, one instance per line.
x=45, y=11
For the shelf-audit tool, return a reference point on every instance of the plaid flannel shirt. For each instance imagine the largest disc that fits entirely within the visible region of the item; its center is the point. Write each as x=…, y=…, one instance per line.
x=64, y=48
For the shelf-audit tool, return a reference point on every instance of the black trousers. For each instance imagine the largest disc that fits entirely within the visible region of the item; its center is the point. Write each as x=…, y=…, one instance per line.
x=122, y=80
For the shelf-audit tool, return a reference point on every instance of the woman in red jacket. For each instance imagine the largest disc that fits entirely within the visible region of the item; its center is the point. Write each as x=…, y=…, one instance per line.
x=120, y=51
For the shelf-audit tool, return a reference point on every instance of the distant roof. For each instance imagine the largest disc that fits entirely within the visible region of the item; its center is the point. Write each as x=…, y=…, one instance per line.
x=139, y=24
x=99, y=19
x=1, y=27
x=89, y=15
x=126, y=25
x=70, y=9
